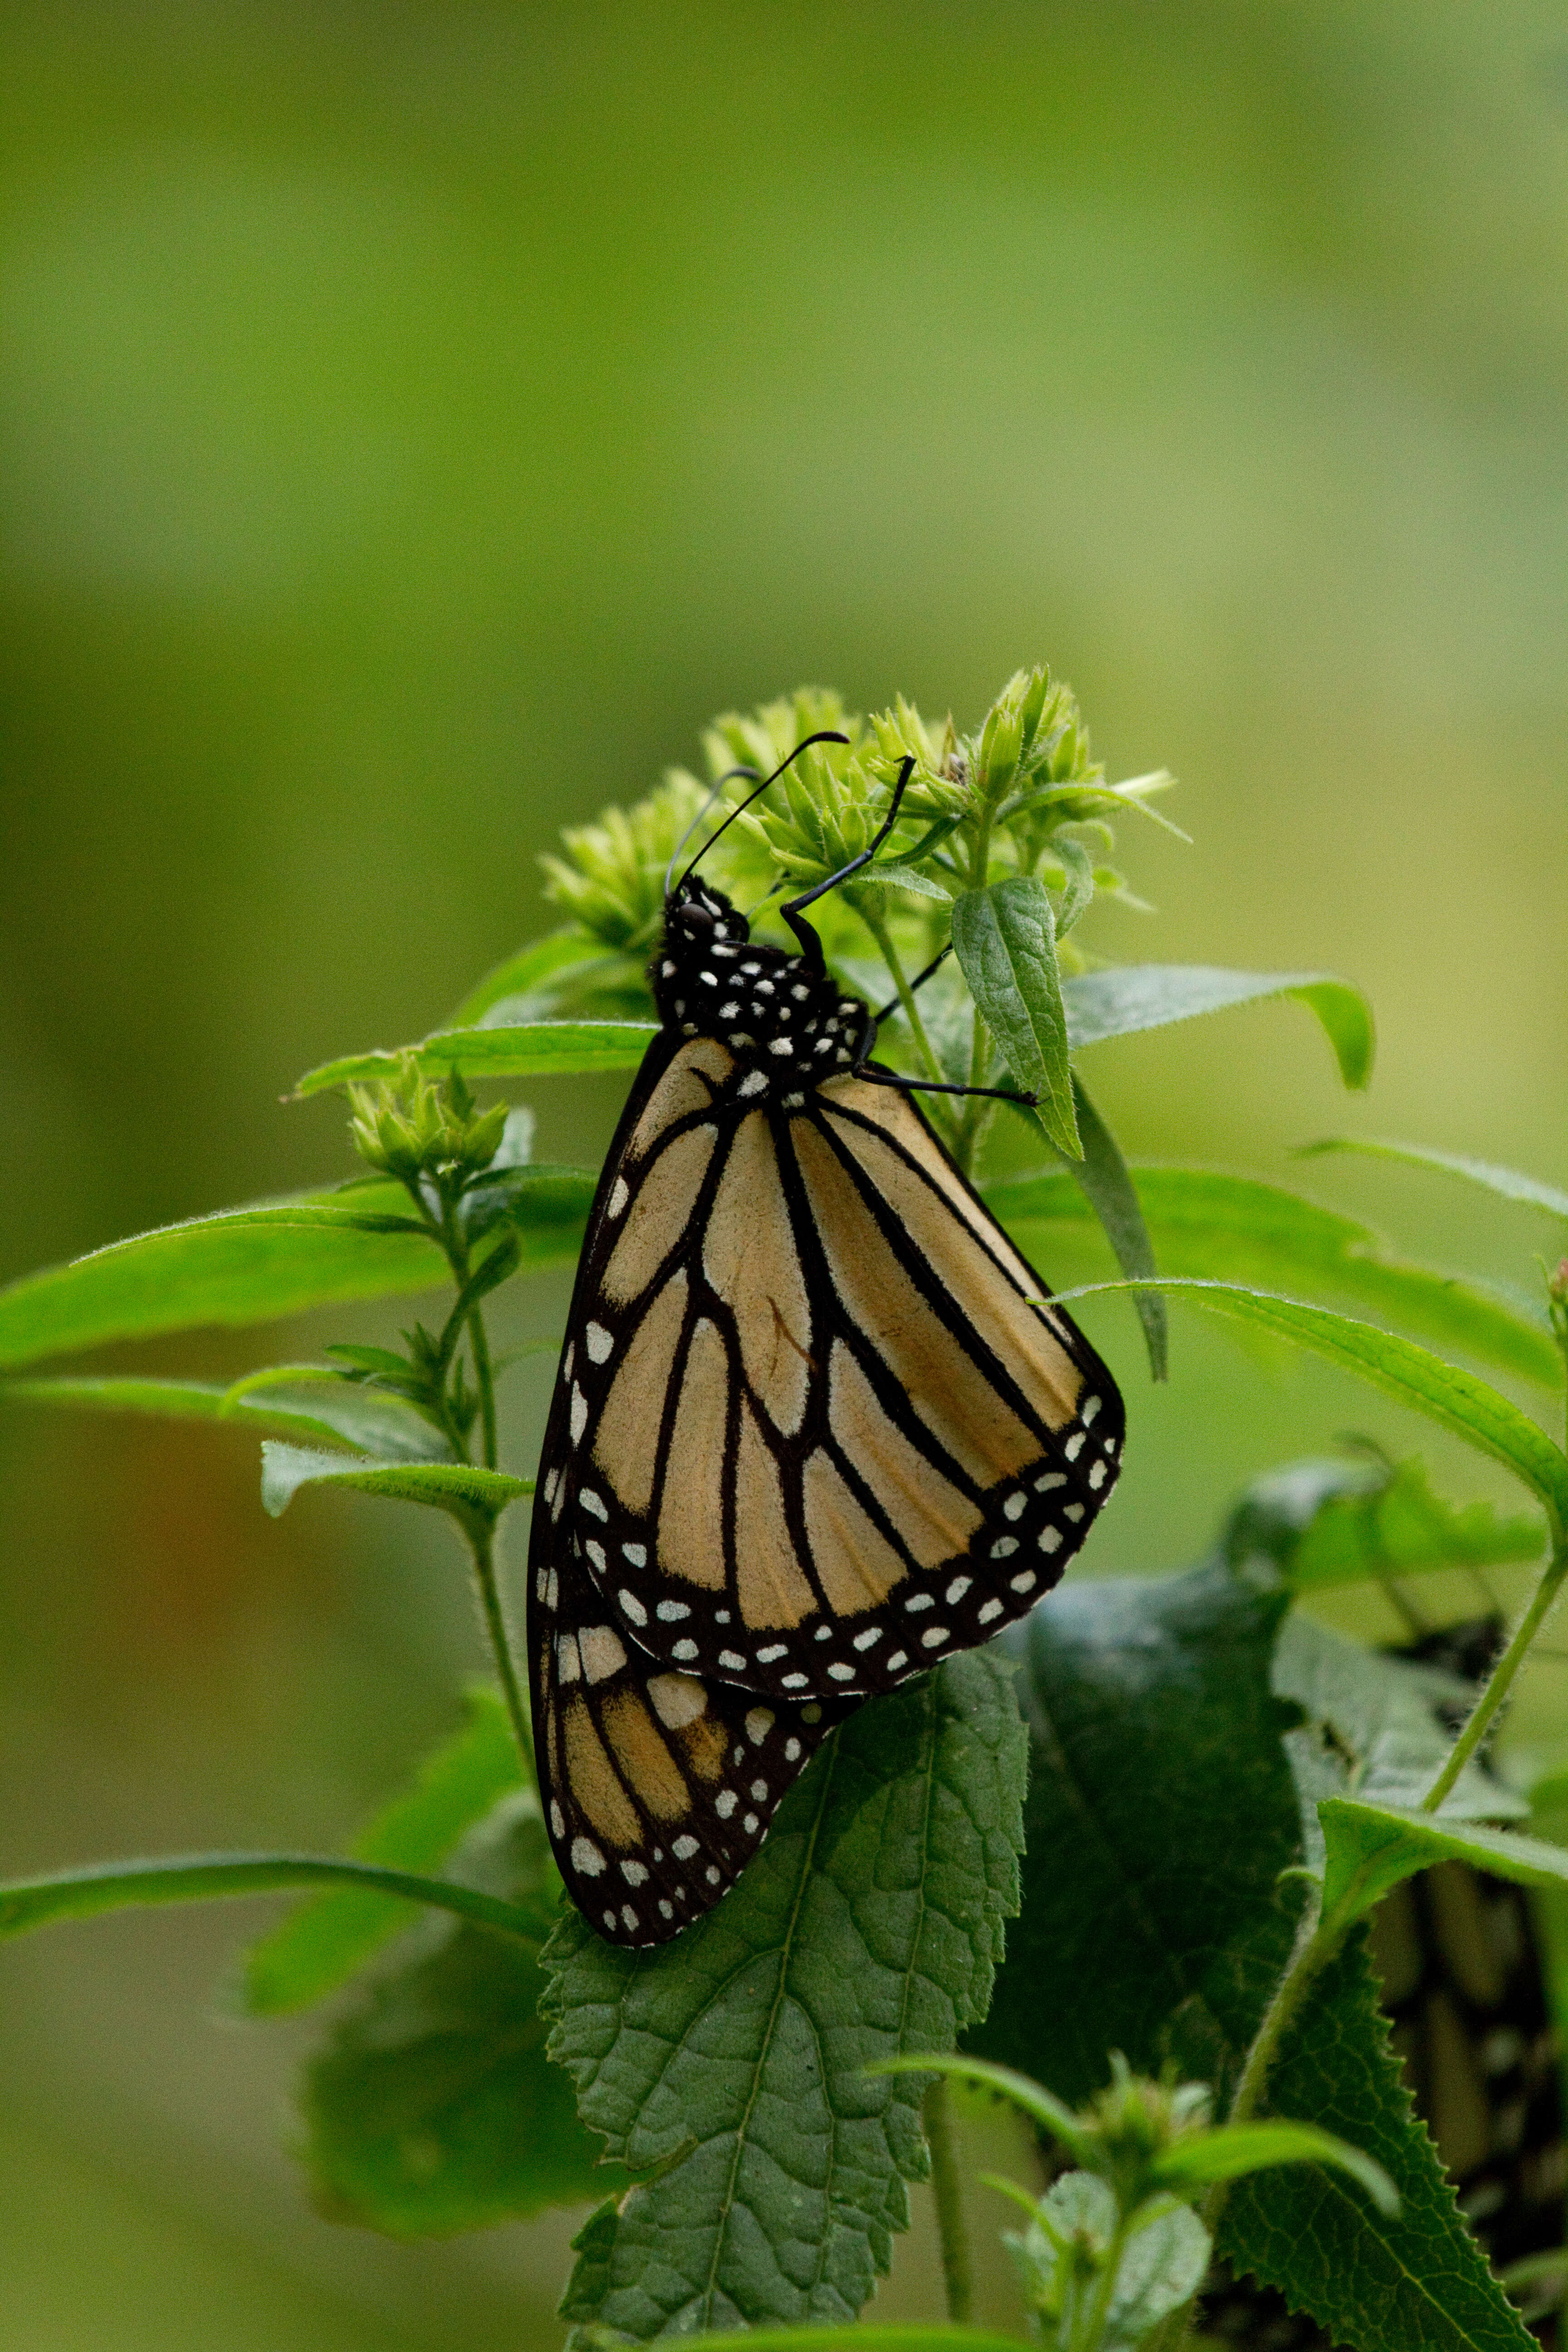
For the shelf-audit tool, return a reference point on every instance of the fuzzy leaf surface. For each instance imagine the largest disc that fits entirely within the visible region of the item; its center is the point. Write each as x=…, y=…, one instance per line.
x=1160, y=1813
x=528, y=1049
x=322, y=1944
x=1416, y=2277
x=461, y=1487
x=432, y=2108
x=1508, y=1183
x=1151, y=996
x=1231, y=1226
x=1006, y=941
x=870, y=1924
x=1371, y=1847
x=1107, y=1184
x=530, y=970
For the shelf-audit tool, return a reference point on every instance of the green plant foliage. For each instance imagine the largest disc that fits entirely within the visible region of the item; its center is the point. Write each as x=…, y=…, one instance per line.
x=207, y=1877
x=1416, y=2277
x=1203, y=1223
x=1004, y=938
x=1161, y=1812
x=530, y=1049
x=432, y=2108
x=322, y=1944
x=1327, y=1523
x=1508, y=1183
x=337, y=1415
x=1151, y=996
x=1372, y=1846
x=870, y=1923
x=460, y=1487
x=1107, y=1184
x=534, y=971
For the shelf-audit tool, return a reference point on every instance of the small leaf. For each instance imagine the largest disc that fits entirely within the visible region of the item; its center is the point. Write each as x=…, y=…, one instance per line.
x=1106, y=1181
x=322, y=1943
x=869, y=1924
x=27, y=1904
x=466, y=1491
x=1371, y=1847
x=1080, y=891
x=899, y=876
x=1031, y=2098
x=1205, y=1223
x=1151, y=995
x=1417, y=2277
x=1507, y=1182
x=1331, y=1523
x=531, y=1049
x=1005, y=940
x=530, y=968
x=377, y=1425
x=432, y=2108
x=1455, y=1400
x=1235, y=2150
x=869, y=2336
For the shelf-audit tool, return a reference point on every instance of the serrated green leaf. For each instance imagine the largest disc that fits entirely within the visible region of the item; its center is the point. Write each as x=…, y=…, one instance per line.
x=527, y=971
x=1371, y=1847
x=432, y=2108
x=27, y=1904
x=1458, y=1402
x=1508, y=1183
x=1231, y=1226
x=242, y=1266
x=377, y=1425
x=530, y=1049
x=869, y=1924
x=460, y=1487
x=885, y=2337
x=1160, y=1814
x=1329, y=1523
x=1106, y=1182
x=1136, y=996
x=1006, y=941
x=1234, y=2151
x=1368, y=2279
x=322, y=1943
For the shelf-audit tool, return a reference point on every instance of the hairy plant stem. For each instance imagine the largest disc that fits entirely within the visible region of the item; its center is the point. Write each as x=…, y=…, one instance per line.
x=482, y=1543
x=1089, y=2327
x=1501, y=1679
x=947, y=2186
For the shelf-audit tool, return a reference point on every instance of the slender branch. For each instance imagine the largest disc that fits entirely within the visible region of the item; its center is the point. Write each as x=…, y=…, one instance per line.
x=484, y=1379
x=947, y=2183
x=483, y=1545
x=877, y=924
x=1499, y=1680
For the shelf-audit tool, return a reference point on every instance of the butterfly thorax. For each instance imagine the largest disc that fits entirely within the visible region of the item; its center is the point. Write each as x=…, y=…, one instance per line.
x=773, y=1011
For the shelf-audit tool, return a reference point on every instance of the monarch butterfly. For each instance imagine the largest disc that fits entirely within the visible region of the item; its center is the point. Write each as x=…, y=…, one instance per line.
x=811, y=1431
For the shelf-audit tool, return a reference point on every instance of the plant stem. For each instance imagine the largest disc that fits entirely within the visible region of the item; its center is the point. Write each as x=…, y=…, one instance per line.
x=876, y=923
x=947, y=2183
x=1500, y=1679
x=485, y=1380
x=1085, y=2337
x=483, y=1546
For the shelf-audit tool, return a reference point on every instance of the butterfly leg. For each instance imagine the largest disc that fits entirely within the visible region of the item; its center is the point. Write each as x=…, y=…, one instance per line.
x=879, y=1078
x=792, y=910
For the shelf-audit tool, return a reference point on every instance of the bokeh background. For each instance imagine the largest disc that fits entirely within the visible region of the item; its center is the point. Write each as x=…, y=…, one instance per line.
x=417, y=420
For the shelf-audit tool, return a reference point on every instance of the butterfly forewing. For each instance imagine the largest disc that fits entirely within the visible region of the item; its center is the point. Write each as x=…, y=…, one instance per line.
x=810, y=1434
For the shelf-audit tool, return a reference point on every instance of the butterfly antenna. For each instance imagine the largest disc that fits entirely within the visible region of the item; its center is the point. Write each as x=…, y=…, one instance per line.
x=827, y=735
x=728, y=777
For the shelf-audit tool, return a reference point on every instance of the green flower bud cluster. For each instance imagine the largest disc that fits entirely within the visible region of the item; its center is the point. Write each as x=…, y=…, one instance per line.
x=415, y=1126
x=610, y=876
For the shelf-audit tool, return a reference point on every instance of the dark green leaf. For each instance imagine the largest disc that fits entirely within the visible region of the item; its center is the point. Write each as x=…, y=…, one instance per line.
x=1507, y=1182
x=869, y=2336
x=377, y=1425
x=530, y=968
x=1106, y=1182
x=1328, y=1523
x=242, y=1266
x=322, y=1943
x=1236, y=2149
x=532, y=1049
x=1151, y=996
x=1160, y=1814
x=1371, y=1847
x=1368, y=2279
x=466, y=1491
x=33, y=1902
x=433, y=2107
x=1233, y=1228
x=547, y=1207
x=1006, y=941
x=869, y=1924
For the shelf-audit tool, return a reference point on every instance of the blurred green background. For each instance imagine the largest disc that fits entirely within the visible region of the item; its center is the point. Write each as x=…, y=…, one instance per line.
x=418, y=420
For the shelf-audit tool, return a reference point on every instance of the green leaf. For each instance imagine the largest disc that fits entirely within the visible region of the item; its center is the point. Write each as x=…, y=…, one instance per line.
x=377, y=1425
x=1507, y=1182
x=890, y=2337
x=1234, y=2151
x=1455, y=1400
x=1371, y=1847
x=1161, y=1812
x=433, y=2107
x=242, y=1266
x=469, y=1493
x=322, y=1943
x=1331, y=1523
x=531, y=1049
x=527, y=971
x=1106, y=1182
x=869, y=1924
x=1031, y=2098
x=104, y=1886
x=899, y=876
x=1414, y=2278
x=1006, y=941
x=1203, y=1223
x=1151, y=996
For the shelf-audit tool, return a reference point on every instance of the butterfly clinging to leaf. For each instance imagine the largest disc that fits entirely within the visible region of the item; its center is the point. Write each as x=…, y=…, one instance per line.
x=812, y=1431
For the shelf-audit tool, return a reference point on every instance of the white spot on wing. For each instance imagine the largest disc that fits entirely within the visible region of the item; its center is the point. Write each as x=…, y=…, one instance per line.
x=586, y=1857
x=598, y=1342
x=632, y=1607
x=579, y=1415
x=602, y=1653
